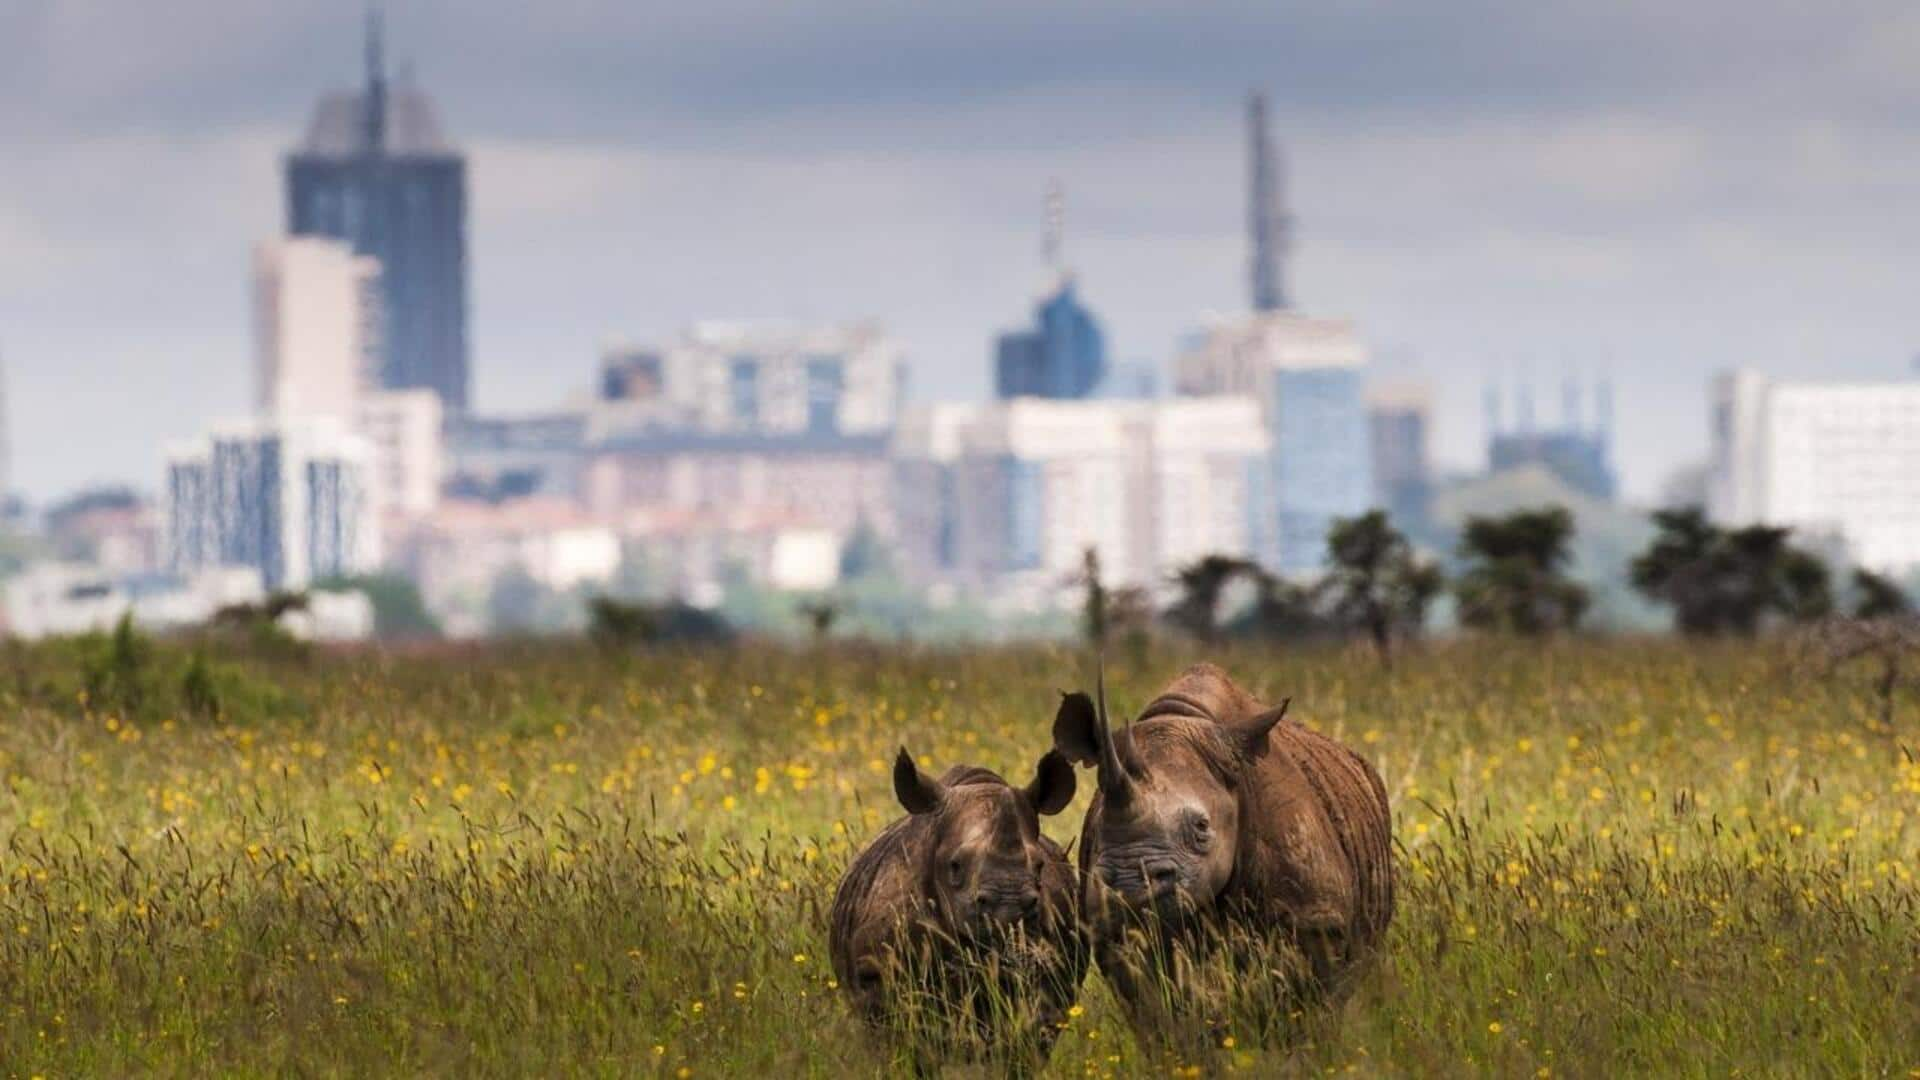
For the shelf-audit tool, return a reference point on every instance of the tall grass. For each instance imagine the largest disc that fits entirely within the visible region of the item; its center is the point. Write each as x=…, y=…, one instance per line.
x=1616, y=858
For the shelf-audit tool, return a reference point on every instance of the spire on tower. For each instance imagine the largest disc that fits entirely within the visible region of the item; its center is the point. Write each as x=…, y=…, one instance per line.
x=1266, y=217
x=1603, y=412
x=376, y=118
x=1056, y=224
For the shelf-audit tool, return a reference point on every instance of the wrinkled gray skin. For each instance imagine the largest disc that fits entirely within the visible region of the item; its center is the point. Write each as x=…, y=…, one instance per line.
x=1212, y=809
x=967, y=885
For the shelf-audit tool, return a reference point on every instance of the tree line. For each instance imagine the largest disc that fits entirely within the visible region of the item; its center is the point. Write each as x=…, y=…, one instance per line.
x=1512, y=575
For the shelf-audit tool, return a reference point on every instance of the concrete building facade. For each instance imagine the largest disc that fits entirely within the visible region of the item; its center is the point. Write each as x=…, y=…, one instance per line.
x=1009, y=495
x=831, y=481
x=286, y=497
x=1823, y=457
x=738, y=379
x=317, y=327
x=403, y=430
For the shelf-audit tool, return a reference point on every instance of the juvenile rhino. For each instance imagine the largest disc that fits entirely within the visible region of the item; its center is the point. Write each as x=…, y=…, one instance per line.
x=1212, y=812
x=957, y=926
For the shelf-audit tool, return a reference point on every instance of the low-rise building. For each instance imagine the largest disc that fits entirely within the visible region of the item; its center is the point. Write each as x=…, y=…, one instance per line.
x=287, y=497
x=822, y=480
x=493, y=458
x=693, y=555
x=64, y=599
x=116, y=529
x=1010, y=495
x=742, y=379
x=456, y=553
x=403, y=428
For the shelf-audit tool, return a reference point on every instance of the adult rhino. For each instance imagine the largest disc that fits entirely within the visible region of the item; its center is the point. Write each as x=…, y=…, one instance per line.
x=1215, y=813
x=957, y=928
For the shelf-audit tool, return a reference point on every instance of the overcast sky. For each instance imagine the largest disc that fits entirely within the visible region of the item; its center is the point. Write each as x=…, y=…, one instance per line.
x=1655, y=189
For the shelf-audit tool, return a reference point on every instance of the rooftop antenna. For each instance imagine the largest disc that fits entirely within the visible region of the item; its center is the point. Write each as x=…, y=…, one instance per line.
x=1056, y=224
x=1490, y=401
x=1603, y=410
x=1266, y=219
x=376, y=118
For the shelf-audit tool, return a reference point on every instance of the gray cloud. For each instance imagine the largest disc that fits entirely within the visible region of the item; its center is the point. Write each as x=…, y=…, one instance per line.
x=1483, y=186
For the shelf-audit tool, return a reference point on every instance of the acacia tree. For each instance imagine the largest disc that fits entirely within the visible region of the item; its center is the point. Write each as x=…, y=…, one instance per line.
x=1727, y=581
x=1879, y=597
x=1202, y=583
x=1804, y=588
x=1285, y=610
x=1375, y=584
x=1515, y=579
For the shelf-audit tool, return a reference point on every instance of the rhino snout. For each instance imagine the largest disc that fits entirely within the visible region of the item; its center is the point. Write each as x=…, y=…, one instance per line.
x=1145, y=882
x=1014, y=906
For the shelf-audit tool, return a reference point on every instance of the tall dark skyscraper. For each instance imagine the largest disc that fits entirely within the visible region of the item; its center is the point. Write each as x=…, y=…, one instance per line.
x=375, y=171
x=1266, y=216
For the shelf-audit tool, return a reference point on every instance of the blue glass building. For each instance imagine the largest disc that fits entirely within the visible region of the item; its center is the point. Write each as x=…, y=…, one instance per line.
x=1063, y=356
x=1322, y=458
x=375, y=172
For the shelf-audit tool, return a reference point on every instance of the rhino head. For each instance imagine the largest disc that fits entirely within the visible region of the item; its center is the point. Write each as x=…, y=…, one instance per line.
x=984, y=860
x=1163, y=836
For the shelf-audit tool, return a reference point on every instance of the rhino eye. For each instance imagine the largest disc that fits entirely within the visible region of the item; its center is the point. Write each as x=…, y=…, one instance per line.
x=1199, y=830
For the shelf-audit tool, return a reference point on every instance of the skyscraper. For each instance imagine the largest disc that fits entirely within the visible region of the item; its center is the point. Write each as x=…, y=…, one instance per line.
x=1308, y=376
x=375, y=171
x=1266, y=216
x=1064, y=355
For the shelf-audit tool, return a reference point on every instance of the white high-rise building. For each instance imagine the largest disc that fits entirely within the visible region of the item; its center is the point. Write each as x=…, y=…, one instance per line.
x=404, y=430
x=1012, y=493
x=317, y=327
x=742, y=379
x=287, y=497
x=1306, y=374
x=1825, y=457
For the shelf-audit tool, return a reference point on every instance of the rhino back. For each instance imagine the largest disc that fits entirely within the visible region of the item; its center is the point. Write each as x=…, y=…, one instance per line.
x=1318, y=834
x=879, y=892
x=1203, y=691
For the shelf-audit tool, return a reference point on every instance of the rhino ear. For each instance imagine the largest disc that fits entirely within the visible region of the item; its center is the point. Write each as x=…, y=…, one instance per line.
x=917, y=791
x=1250, y=735
x=1074, y=729
x=1053, y=784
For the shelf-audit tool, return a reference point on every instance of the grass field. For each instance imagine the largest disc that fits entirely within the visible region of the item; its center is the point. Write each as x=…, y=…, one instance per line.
x=1618, y=858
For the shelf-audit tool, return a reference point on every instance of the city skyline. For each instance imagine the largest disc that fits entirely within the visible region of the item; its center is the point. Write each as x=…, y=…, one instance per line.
x=1579, y=207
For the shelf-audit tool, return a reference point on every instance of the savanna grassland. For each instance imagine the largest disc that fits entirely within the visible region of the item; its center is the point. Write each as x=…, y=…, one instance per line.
x=1617, y=858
